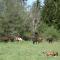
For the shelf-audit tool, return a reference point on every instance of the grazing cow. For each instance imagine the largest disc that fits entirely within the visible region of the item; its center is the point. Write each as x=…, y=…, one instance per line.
x=11, y=38
x=50, y=39
x=37, y=39
x=26, y=38
x=51, y=53
x=6, y=38
x=18, y=38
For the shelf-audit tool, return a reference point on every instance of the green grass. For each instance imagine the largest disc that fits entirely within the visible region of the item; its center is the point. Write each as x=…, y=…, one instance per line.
x=25, y=50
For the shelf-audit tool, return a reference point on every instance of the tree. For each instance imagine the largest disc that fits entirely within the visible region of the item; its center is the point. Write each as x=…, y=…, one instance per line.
x=36, y=15
x=50, y=13
x=12, y=18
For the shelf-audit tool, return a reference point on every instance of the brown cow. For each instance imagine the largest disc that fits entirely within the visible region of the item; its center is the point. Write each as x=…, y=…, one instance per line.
x=6, y=38
x=36, y=38
x=51, y=53
x=50, y=39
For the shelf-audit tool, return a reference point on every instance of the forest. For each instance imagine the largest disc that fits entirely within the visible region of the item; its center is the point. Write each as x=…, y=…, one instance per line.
x=18, y=18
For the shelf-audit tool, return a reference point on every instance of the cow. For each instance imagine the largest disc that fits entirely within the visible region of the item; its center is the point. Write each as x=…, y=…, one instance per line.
x=51, y=53
x=6, y=38
x=36, y=38
x=11, y=38
x=50, y=39
x=18, y=38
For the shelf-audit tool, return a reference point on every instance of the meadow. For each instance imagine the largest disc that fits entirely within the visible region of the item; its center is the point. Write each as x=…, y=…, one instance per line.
x=25, y=50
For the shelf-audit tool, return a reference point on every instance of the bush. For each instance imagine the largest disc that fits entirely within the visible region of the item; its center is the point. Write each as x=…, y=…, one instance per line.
x=48, y=31
x=51, y=31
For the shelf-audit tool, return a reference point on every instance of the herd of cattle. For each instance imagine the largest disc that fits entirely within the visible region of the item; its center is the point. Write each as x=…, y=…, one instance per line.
x=8, y=38
x=36, y=39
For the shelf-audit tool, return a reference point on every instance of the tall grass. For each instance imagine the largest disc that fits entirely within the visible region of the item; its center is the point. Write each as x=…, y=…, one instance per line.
x=27, y=51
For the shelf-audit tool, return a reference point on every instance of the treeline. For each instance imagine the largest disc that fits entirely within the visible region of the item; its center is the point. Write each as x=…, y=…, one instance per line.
x=15, y=19
x=51, y=18
x=51, y=13
x=12, y=16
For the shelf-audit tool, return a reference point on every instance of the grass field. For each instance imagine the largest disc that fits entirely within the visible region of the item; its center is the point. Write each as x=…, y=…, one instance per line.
x=25, y=50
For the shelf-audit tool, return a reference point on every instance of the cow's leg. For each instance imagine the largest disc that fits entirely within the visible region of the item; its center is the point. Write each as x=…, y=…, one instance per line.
x=12, y=40
x=50, y=41
x=33, y=42
x=38, y=42
x=5, y=40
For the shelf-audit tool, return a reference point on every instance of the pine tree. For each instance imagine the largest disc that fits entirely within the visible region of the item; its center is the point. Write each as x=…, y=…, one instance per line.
x=50, y=13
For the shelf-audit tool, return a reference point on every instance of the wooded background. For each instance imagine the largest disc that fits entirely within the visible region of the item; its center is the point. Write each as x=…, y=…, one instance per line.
x=18, y=18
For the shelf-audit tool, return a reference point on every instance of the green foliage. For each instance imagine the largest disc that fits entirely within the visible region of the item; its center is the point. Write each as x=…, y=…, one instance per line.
x=42, y=27
x=53, y=32
x=50, y=13
x=11, y=18
x=48, y=31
